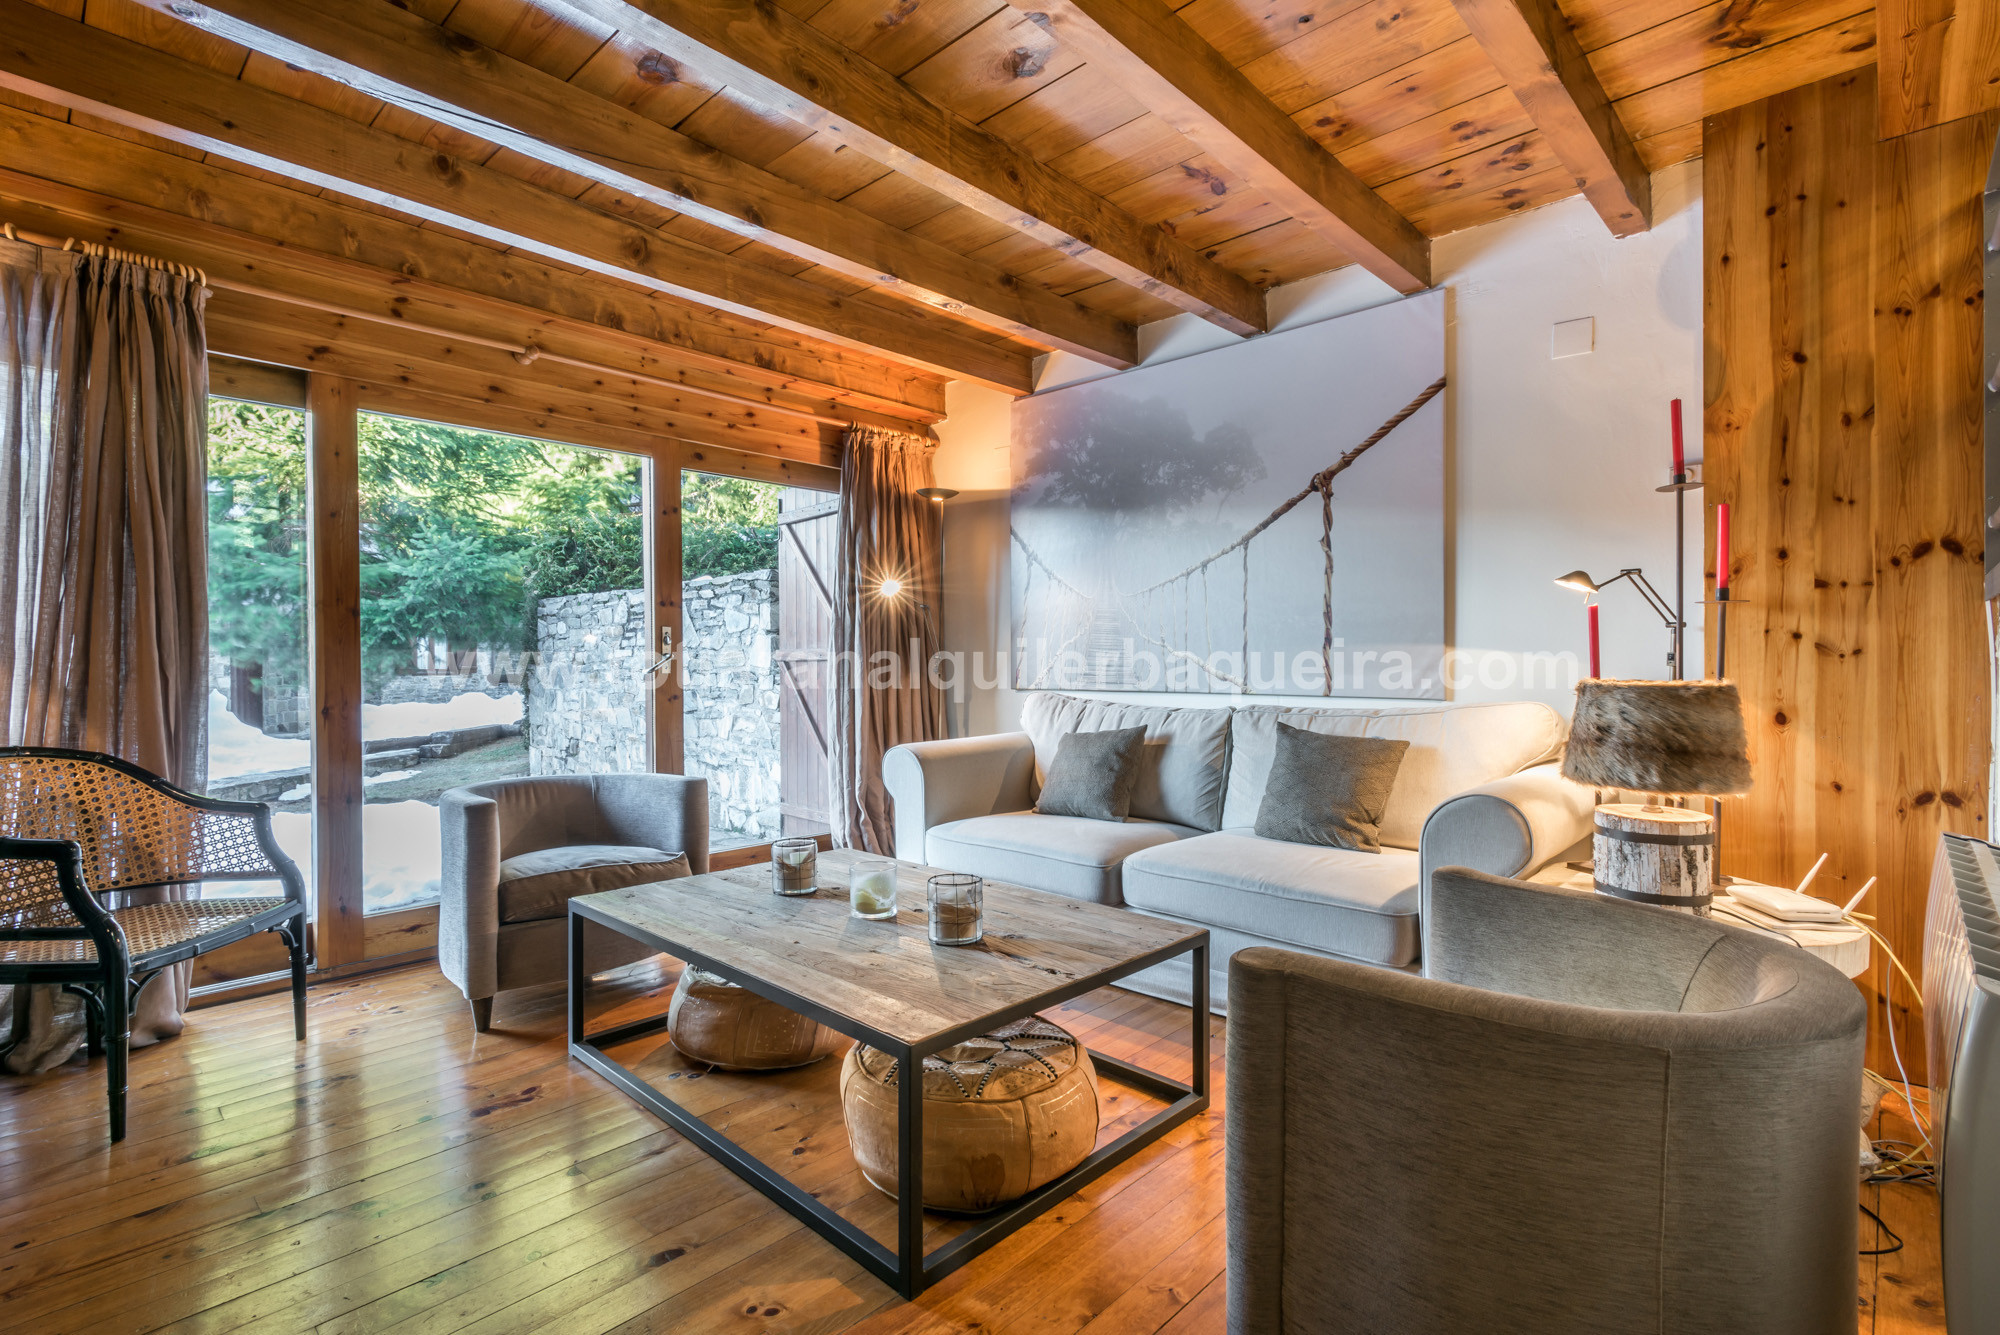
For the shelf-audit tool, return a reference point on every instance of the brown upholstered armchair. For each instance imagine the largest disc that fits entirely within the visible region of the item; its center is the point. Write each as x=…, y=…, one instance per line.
x=79, y=825
x=516, y=851
x=1591, y=1117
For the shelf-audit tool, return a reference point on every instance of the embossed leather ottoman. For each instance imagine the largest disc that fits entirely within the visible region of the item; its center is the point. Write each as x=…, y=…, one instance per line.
x=713, y=1020
x=1003, y=1113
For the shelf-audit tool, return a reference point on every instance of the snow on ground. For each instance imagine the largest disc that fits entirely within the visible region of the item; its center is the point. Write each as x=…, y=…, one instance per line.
x=294, y=832
x=401, y=853
x=469, y=709
x=234, y=747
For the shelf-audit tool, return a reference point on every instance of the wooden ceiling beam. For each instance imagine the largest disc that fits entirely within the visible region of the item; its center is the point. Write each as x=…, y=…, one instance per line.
x=275, y=278
x=407, y=61
x=1538, y=54
x=1150, y=51
x=269, y=331
x=68, y=62
x=775, y=58
x=316, y=248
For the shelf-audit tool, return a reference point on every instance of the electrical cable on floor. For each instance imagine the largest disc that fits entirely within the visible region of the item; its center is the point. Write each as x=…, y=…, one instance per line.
x=1882, y=1251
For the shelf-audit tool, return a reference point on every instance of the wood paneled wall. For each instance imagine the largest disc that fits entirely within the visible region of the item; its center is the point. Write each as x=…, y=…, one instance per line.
x=1843, y=307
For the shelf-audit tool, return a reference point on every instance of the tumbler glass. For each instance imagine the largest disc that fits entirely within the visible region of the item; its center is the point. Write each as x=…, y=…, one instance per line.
x=871, y=888
x=795, y=866
x=955, y=901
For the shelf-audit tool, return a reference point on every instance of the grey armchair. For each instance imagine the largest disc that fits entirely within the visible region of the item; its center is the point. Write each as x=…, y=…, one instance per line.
x=516, y=851
x=1591, y=1116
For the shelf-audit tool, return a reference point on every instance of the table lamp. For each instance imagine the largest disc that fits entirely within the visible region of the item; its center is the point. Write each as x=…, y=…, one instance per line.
x=1660, y=738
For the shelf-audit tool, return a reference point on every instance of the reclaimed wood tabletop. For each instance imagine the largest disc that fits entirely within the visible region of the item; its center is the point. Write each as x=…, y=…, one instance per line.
x=886, y=974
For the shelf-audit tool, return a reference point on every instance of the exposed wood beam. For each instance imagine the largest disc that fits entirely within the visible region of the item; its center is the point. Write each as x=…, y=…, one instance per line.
x=1150, y=51
x=333, y=504
x=484, y=414
x=768, y=54
x=315, y=247
x=70, y=63
x=401, y=58
x=310, y=340
x=256, y=382
x=299, y=334
x=1537, y=53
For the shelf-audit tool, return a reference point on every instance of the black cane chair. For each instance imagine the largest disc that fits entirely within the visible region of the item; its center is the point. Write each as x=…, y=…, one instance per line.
x=77, y=825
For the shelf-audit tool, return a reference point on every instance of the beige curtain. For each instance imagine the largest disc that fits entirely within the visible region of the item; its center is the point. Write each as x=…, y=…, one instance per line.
x=885, y=626
x=103, y=547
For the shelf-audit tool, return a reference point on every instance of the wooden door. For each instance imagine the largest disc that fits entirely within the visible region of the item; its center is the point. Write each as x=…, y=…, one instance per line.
x=808, y=523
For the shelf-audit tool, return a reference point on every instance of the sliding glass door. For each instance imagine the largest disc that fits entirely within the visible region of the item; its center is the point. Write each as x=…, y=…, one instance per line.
x=503, y=628
x=399, y=606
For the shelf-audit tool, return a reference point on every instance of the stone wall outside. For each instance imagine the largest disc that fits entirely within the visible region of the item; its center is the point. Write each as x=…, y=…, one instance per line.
x=587, y=694
x=729, y=683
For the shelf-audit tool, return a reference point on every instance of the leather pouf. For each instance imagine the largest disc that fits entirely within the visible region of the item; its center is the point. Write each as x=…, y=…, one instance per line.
x=713, y=1020
x=1003, y=1113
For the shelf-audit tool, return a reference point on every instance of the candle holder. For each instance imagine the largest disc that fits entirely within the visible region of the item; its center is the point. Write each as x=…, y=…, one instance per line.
x=795, y=866
x=871, y=888
x=957, y=902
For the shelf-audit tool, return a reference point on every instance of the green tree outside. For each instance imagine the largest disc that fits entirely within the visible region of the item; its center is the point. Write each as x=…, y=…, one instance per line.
x=462, y=533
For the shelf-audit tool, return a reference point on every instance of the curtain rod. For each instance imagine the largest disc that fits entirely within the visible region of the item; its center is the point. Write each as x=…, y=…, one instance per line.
x=96, y=251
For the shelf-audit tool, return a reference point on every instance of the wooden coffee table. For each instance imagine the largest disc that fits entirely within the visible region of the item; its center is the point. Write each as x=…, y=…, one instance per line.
x=884, y=984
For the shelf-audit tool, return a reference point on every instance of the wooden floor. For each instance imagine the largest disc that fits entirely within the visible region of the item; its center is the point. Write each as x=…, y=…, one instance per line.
x=398, y=1173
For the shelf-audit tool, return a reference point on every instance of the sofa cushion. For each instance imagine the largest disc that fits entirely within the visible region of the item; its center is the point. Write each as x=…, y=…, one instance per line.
x=1182, y=769
x=1092, y=775
x=1362, y=906
x=1452, y=748
x=541, y=884
x=1065, y=855
x=1329, y=789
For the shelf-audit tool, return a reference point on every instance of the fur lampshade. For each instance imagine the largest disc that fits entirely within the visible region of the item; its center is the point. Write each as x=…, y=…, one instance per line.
x=1659, y=737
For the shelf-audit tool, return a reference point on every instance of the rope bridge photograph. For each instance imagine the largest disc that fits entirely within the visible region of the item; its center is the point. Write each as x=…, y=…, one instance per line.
x=1270, y=526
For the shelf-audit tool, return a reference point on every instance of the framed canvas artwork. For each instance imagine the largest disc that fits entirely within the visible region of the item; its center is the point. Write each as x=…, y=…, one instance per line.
x=1266, y=518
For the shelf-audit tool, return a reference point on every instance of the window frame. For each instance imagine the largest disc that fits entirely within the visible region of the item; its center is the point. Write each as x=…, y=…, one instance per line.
x=344, y=938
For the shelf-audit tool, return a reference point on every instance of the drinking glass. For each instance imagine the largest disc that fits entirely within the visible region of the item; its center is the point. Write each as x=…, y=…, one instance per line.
x=955, y=901
x=871, y=888
x=795, y=866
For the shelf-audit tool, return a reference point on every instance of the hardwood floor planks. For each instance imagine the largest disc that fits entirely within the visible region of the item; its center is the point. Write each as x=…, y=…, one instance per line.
x=399, y=1176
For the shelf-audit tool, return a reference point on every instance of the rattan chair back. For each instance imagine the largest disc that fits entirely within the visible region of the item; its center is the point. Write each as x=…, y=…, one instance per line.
x=31, y=893
x=135, y=830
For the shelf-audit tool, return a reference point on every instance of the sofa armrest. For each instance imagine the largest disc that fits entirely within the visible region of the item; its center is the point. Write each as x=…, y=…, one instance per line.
x=1511, y=827
x=469, y=891
x=935, y=782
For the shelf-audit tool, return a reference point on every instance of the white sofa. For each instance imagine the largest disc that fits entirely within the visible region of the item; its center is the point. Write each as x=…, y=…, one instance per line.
x=1479, y=788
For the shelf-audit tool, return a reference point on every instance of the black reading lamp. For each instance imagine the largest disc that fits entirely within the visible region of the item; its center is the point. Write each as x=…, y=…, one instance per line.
x=1584, y=584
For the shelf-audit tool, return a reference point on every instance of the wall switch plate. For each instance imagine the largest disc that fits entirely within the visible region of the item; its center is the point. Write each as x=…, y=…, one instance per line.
x=1573, y=338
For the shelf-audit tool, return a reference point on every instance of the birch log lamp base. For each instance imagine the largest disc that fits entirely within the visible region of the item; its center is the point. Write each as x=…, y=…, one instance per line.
x=1663, y=739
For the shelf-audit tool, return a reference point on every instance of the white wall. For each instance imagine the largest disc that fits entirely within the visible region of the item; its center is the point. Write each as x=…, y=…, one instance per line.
x=1551, y=462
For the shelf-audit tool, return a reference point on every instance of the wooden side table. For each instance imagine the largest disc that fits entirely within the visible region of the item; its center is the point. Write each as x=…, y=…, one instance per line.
x=1844, y=947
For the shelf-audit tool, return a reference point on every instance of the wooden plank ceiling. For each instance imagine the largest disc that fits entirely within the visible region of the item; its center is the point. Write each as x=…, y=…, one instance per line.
x=762, y=220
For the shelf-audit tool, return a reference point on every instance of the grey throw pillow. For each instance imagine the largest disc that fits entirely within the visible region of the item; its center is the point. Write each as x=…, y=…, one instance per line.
x=1329, y=789
x=1091, y=775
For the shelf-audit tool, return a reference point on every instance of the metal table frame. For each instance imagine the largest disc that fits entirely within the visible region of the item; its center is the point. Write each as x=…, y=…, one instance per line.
x=906, y=1269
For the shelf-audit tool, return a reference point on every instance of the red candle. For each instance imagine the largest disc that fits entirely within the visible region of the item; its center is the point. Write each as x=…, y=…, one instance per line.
x=1680, y=455
x=1722, y=548
x=1591, y=608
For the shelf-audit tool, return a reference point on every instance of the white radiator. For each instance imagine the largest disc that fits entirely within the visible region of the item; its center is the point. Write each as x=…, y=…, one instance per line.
x=1962, y=1039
